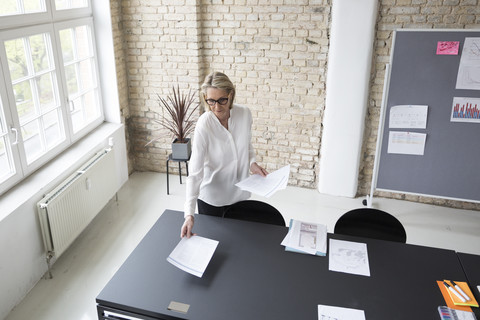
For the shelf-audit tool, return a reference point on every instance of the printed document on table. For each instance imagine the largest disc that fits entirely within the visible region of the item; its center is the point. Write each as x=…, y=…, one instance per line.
x=349, y=257
x=193, y=254
x=306, y=237
x=338, y=313
x=266, y=186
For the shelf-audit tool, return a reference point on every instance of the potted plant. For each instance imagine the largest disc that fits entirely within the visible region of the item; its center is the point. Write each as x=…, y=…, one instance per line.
x=178, y=118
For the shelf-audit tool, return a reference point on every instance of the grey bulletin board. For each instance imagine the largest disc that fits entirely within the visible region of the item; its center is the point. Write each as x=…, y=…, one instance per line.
x=450, y=166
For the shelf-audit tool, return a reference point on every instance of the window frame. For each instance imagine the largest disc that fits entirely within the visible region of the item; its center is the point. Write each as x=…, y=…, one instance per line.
x=20, y=33
x=71, y=24
x=52, y=22
x=18, y=20
x=17, y=175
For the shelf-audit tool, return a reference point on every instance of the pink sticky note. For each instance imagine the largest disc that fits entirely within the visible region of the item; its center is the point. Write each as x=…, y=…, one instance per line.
x=448, y=47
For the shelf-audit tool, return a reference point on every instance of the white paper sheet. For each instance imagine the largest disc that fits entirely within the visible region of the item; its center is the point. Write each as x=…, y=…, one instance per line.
x=408, y=116
x=193, y=254
x=306, y=237
x=469, y=69
x=266, y=186
x=406, y=142
x=348, y=257
x=339, y=313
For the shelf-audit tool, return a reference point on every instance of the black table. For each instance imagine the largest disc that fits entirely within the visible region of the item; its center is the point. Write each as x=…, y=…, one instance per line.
x=251, y=276
x=471, y=266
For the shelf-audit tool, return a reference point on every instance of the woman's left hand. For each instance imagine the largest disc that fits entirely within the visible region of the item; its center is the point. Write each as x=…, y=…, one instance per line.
x=256, y=169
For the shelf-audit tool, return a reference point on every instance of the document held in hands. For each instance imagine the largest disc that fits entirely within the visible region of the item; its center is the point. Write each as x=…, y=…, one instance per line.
x=193, y=254
x=266, y=186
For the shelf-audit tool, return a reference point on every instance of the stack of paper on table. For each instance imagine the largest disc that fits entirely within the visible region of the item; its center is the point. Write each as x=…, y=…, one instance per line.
x=304, y=237
x=266, y=186
x=193, y=254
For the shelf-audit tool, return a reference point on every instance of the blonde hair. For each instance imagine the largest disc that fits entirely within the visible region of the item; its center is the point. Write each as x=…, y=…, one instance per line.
x=220, y=81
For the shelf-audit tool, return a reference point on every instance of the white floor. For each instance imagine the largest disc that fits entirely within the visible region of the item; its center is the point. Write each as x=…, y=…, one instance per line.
x=81, y=273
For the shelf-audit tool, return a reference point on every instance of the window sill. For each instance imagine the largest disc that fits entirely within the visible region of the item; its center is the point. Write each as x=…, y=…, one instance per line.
x=55, y=171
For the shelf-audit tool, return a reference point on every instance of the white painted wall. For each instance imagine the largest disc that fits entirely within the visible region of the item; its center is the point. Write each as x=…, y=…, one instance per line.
x=349, y=65
x=21, y=246
x=22, y=262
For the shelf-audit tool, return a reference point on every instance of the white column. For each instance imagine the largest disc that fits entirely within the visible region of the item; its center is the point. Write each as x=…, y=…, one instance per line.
x=347, y=87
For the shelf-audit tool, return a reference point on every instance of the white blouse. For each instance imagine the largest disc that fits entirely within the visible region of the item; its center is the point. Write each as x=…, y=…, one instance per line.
x=220, y=158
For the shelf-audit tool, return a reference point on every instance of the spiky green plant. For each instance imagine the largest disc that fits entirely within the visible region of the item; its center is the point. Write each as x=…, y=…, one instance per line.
x=179, y=114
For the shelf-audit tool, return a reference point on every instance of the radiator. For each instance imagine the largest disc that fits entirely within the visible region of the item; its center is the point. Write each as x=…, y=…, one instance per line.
x=68, y=209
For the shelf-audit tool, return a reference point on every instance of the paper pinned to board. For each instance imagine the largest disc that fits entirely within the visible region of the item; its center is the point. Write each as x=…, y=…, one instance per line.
x=193, y=254
x=412, y=143
x=266, y=186
x=408, y=116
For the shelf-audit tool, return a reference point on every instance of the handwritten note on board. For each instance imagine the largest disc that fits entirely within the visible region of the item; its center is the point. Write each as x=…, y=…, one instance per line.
x=447, y=47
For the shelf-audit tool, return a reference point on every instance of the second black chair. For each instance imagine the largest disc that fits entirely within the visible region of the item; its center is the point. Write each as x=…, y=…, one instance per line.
x=371, y=223
x=256, y=211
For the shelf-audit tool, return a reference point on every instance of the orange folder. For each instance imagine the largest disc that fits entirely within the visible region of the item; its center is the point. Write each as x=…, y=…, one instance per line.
x=453, y=301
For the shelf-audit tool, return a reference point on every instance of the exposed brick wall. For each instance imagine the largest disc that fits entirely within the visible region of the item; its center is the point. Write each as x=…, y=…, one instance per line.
x=121, y=68
x=162, y=50
x=408, y=14
x=276, y=52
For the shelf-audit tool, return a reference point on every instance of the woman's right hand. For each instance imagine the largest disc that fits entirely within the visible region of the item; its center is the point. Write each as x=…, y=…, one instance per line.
x=187, y=227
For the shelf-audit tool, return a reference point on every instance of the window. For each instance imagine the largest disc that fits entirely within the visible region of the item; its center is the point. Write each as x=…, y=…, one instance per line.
x=14, y=7
x=50, y=95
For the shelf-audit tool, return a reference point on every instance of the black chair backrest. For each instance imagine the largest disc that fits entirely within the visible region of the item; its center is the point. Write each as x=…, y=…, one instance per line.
x=371, y=223
x=256, y=211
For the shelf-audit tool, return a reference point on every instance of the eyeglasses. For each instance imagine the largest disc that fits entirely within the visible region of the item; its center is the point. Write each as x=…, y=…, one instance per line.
x=221, y=101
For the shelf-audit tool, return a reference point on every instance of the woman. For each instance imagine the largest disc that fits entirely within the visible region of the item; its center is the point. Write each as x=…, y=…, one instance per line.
x=222, y=152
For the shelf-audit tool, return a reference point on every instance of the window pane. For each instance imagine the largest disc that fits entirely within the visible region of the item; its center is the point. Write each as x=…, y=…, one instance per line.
x=13, y=7
x=91, y=110
x=87, y=80
x=5, y=163
x=34, y=6
x=9, y=7
x=83, y=42
x=80, y=74
x=71, y=76
x=53, y=133
x=24, y=101
x=16, y=56
x=78, y=119
x=36, y=94
x=70, y=4
x=45, y=92
x=32, y=141
x=3, y=129
x=40, y=56
x=7, y=168
x=66, y=38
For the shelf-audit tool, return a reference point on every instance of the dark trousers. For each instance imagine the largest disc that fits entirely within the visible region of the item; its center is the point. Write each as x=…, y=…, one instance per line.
x=205, y=208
